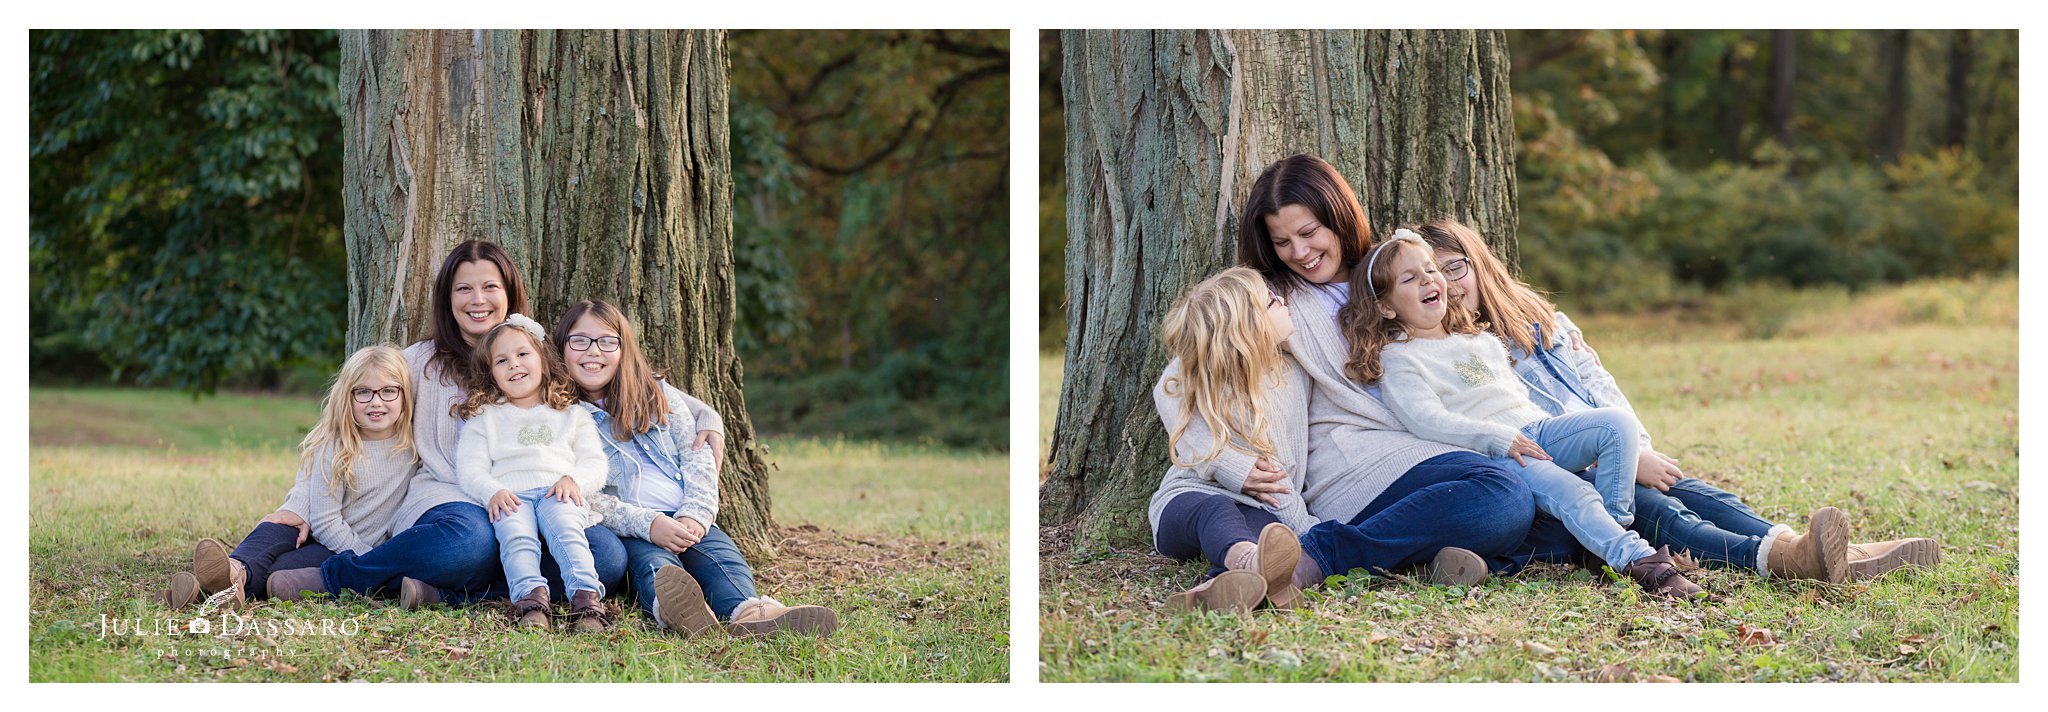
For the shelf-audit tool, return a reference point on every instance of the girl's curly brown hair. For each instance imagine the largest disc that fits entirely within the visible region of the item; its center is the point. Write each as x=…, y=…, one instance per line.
x=1368, y=331
x=555, y=387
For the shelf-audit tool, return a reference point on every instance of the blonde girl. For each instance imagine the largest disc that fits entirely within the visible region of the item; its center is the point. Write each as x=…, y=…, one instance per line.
x=531, y=457
x=1234, y=409
x=354, y=468
x=1448, y=380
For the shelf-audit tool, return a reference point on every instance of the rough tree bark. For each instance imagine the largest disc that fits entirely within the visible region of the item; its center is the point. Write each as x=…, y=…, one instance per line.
x=598, y=159
x=1166, y=130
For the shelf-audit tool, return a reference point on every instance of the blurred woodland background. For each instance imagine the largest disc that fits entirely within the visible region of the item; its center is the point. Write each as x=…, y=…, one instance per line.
x=186, y=211
x=1658, y=167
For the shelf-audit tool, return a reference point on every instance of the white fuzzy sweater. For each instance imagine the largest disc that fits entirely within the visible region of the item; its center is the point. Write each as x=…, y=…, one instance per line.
x=513, y=448
x=1457, y=390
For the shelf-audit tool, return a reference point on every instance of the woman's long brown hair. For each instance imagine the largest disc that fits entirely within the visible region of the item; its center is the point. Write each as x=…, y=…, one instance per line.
x=1509, y=304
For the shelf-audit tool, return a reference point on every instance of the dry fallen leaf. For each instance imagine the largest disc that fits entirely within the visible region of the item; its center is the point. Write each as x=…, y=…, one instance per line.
x=1613, y=672
x=1754, y=636
x=1660, y=678
x=1376, y=638
x=1538, y=649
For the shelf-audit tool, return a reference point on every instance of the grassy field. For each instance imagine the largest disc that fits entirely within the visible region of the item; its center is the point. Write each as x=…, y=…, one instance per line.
x=907, y=544
x=1901, y=407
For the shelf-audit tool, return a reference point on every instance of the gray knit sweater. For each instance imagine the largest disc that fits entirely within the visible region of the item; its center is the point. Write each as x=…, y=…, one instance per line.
x=434, y=432
x=357, y=520
x=1224, y=474
x=1356, y=446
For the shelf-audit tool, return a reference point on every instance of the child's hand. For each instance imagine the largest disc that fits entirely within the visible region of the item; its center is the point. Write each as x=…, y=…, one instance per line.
x=566, y=490
x=1657, y=471
x=1265, y=479
x=1522, y=447
x=503, y=504
x=290, y=519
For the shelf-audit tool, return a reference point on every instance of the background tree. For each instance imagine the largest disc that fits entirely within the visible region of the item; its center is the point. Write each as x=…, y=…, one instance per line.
x=1166, y=130
x=598, y=159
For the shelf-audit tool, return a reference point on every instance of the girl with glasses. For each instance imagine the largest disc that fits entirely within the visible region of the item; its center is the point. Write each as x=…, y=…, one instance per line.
x=354, y=469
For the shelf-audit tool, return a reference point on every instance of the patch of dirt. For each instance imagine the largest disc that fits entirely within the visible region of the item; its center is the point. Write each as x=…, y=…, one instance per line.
x=807, y=552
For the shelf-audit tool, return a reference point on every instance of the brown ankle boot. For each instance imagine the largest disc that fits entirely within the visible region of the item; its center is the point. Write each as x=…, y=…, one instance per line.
x=414, y=593
x=588, y=612
x=1279, y=551
x=531, y=610
x=1658, y=575
x=1456, y=567
x=766, y=616
x=1869, y=561
x=1232, y=591
x=184, y=590
x=1822, y=553
x=210, y=565
x=294, y=584
x=679, y=602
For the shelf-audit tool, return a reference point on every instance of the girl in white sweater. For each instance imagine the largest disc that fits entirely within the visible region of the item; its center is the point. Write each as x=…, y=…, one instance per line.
x=1449, y=380
x=1232, y=405
x=531, y=457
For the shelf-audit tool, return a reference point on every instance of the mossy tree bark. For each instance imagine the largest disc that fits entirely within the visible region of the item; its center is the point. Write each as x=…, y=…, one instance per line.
x=598, y=159
x=1166, y=130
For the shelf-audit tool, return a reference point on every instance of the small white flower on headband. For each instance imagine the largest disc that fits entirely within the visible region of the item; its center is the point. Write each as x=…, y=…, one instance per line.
x=1398, y=236
x=531, y=326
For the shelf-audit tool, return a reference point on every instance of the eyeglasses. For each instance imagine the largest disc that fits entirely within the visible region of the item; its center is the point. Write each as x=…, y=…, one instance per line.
x=386, y=394
x=606, y=344
x=1455, y=270
x=1274, y=298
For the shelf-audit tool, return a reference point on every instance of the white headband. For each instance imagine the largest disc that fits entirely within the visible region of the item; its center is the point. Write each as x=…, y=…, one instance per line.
x=1399, y=235
x=531, y=327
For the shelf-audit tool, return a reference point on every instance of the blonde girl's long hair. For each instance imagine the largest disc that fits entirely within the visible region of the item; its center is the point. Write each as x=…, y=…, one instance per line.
x=633, y=399
x=556, y=390
x=1368, y=331
x=1229, y=363
x=337, y=425
x=1509, y=304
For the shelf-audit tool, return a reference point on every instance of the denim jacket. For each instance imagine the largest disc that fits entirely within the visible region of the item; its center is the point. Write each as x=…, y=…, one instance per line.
x=1559, y=374
x=668, y=445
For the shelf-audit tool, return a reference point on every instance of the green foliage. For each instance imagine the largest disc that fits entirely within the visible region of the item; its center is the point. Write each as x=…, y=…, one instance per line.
x=185, y=202
x=872, y=231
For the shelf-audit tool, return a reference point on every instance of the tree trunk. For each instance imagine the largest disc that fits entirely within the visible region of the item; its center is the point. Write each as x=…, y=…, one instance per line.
x=598, y=159
x=1961, y=55
x=1166, y=130
x=1784, y=56
x=1891, y=137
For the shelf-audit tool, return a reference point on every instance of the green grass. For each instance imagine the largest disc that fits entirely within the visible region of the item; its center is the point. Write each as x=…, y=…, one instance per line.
x=907, y=544
x=1899, y=407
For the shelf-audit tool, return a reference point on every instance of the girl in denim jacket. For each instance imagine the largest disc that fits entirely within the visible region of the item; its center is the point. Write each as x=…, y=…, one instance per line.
x=1564, y=375
x=661, y=494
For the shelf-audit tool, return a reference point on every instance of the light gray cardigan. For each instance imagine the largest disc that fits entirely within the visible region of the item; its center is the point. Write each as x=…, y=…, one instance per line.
x=434, y=431
x=1224, y=474
x=1357, y=448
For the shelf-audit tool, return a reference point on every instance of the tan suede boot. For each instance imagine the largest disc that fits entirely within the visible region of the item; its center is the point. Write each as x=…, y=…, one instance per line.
x=1233, y=591
x=210, y=565
x=1658, y=575
x=1822, y=553
x=767, y=616
x=531, y=611
x=184, y=590
x=679, y=602
x=1869, y=561
x=1456, y=567
x=1279, y=552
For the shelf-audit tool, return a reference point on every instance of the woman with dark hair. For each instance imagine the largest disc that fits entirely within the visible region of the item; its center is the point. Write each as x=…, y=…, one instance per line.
x=661, y=497
x=1386, y=499
x=443, y=548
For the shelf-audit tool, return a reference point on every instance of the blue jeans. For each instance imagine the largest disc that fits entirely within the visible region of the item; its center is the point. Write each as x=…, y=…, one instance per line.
x=1610, y=436
x=275, y=547
x=451, y=547
x=519, y=535
x=1459, y=499
x=1575, y=502
x=715, y=563
x=1207, y=525
x=1694, y=517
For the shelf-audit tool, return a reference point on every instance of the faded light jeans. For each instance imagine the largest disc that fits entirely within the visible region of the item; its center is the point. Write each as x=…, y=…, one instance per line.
x=1594, y=512
x=519, y=535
